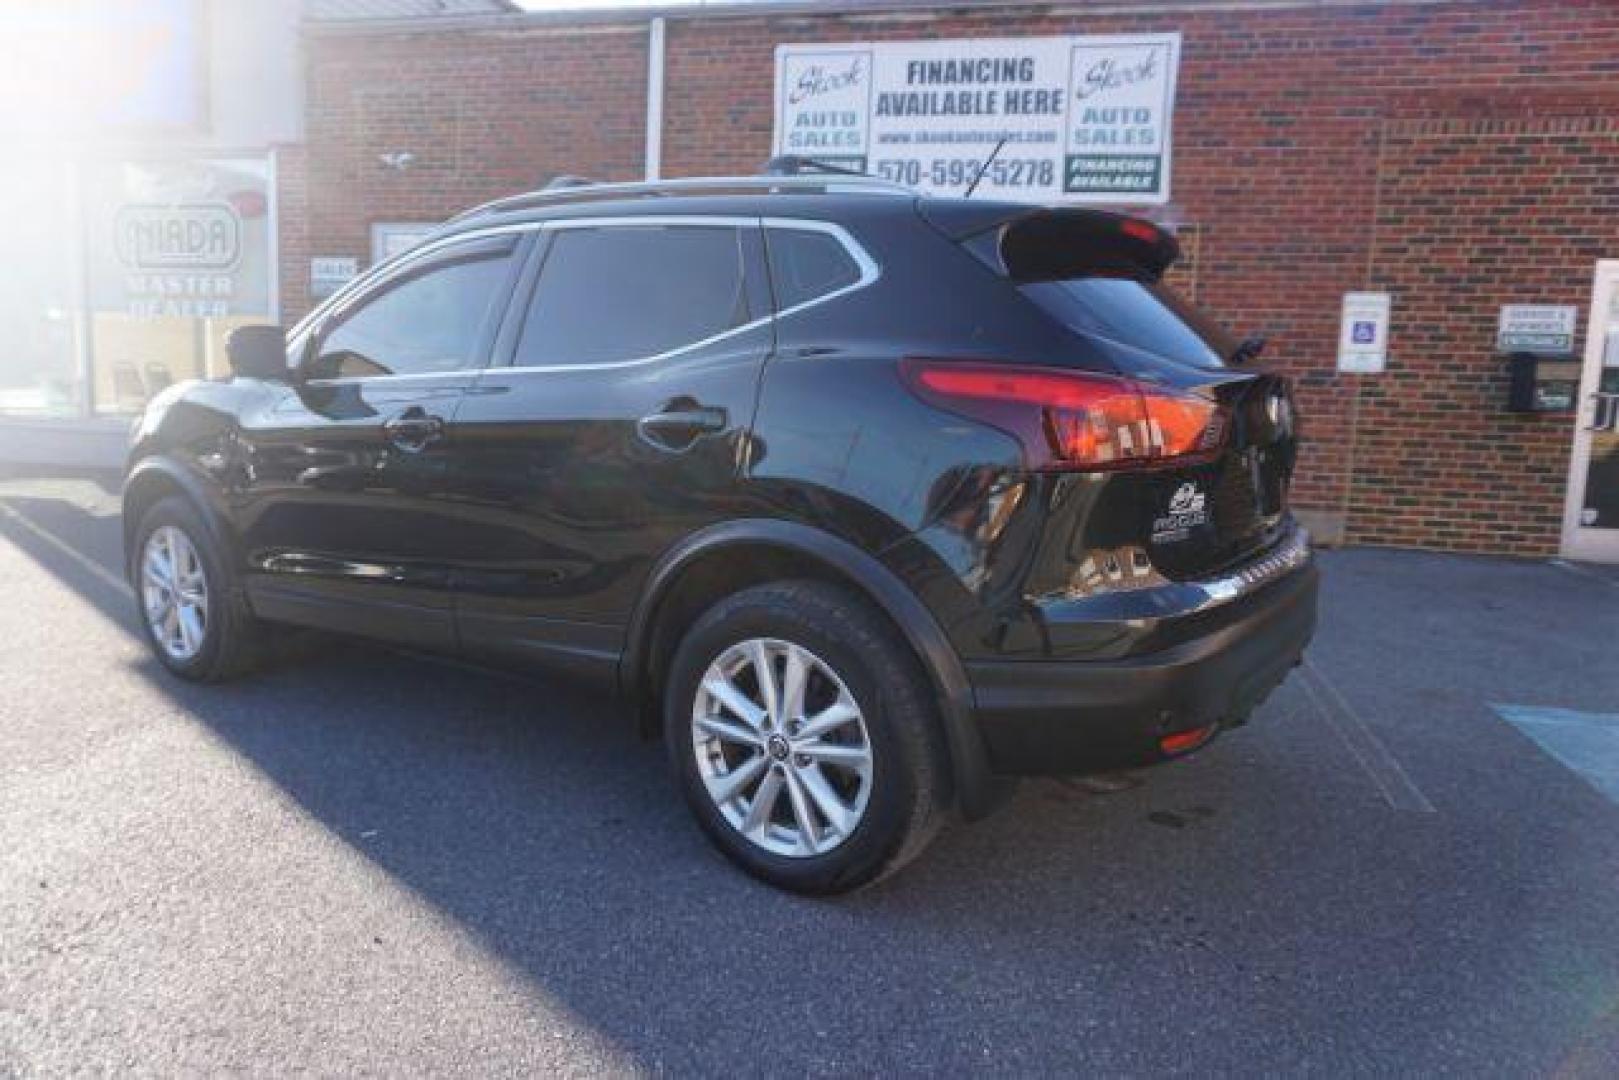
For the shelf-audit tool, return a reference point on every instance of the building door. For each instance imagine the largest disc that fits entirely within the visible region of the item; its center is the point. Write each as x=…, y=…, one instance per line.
x=1591, y=523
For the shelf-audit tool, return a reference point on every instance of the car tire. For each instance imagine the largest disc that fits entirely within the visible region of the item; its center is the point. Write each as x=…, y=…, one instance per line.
x=866, y=818
x=219, y=638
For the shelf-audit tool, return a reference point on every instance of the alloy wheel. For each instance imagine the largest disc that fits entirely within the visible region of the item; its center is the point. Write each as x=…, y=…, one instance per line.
x=174, y=592
x=782, y=747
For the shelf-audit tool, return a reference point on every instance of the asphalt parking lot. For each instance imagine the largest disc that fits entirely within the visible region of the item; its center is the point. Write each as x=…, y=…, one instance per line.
x=362, y=861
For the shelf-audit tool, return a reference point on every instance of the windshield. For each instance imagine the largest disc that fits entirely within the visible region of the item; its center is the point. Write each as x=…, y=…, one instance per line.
x=1142, y=315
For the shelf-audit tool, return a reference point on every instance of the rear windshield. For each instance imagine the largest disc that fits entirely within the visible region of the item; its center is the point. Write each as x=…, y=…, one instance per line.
x=1140, y=315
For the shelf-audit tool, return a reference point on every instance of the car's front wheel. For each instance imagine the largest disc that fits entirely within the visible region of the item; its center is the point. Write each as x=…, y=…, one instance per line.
x=183, y=594
x=805, y=737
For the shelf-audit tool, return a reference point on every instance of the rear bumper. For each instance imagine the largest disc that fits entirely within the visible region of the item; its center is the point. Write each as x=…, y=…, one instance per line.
x=1067, y=717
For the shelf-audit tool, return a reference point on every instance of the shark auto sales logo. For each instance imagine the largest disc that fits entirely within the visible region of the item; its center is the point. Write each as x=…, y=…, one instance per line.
x=817, y=80
x=1112, y=73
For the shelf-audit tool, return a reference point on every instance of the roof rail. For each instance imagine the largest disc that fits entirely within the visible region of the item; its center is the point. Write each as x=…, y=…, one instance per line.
x=824, y=183
x=565, y=181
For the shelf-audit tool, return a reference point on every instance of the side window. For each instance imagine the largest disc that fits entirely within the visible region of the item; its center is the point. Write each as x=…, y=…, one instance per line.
x=806, y=265
x=424, y=322
x=625, y=292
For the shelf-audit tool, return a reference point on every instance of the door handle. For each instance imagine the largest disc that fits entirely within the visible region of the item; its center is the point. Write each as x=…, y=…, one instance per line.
x=413, y=429
x=681, y=423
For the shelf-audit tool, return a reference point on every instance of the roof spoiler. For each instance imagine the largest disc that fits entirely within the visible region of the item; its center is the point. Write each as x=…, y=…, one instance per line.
x=1052, y=243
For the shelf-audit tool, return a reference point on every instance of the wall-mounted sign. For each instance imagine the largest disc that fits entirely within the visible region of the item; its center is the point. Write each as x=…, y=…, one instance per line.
x=390, y=238
x=1363, y=336
x=1084, y=119
x=1543, y=329
x=329, y=273
x=187, y=237
x=184, y=236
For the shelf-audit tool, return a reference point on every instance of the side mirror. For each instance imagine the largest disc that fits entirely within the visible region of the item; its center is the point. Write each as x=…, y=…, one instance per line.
x=258, y=352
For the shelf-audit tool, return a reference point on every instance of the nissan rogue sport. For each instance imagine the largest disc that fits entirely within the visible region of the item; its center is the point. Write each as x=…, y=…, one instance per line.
x=864, y=501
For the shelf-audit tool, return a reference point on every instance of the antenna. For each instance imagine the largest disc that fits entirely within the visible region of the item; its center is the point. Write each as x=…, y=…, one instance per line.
x=993, y=154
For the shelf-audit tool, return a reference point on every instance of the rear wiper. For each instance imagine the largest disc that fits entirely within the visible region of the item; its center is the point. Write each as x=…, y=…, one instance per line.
x=1251, y=347
x=796, y=165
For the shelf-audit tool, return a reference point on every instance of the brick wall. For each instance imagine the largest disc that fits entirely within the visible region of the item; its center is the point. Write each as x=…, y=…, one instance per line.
x=483, y=114
x=1457, y=155
x=292, y=235
x=1473, y=213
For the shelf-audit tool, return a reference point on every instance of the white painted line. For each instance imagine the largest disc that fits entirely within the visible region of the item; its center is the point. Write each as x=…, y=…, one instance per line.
x=96, y=570
x=1375, y=760
x=1576, y=568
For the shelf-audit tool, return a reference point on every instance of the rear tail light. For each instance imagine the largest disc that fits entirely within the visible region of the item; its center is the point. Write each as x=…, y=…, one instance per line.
x=1074, y=419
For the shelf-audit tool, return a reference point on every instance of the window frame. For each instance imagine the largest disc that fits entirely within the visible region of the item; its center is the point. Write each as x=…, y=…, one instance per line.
x=870, y=269
x=864, y=264
x=417, y=262
x=756, y=281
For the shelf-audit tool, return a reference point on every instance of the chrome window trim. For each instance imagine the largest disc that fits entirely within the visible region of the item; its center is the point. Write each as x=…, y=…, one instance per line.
x=343, y=295
x=339, y=300
x=870, y=272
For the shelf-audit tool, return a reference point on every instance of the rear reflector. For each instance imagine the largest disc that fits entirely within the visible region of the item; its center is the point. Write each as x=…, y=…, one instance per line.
x=1140, y=230
x=1182, y=741
x=1074, y=420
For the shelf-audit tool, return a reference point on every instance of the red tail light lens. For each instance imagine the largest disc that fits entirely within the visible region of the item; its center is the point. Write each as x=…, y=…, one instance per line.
x=1071, y=419
x=1182, y=741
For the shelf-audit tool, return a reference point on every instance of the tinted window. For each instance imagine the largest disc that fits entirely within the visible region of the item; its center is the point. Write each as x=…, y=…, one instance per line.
x=426, y=322
x=628, y=292
x=805, y=265
x=1141, y=315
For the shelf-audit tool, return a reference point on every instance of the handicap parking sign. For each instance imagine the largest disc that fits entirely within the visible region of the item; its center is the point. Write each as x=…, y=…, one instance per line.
x=1363, y=332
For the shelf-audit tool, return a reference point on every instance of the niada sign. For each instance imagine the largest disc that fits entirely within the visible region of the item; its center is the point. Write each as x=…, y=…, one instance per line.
x=187, y=236
x=179, y=237
x=1084, y=119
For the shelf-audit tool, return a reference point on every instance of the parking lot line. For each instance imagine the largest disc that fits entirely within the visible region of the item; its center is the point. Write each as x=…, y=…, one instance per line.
x=1585, y=743
x=39, y=532
x=1375, y=759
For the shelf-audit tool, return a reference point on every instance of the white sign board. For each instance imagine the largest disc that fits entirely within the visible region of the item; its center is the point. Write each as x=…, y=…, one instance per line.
x=327, y=274
x=1085, y=119
x=1536, y=328
x=390, y=238
x=1363, y=337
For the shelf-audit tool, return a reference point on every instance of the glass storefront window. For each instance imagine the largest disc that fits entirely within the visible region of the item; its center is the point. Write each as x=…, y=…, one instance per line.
x=39, y=306
x=178, y=255
x=133, y=271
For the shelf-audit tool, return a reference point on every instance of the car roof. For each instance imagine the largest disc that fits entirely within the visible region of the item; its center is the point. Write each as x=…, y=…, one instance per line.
x=821, y=197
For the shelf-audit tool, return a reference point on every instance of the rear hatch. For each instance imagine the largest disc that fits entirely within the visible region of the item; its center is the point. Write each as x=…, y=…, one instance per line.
x=1099, y=276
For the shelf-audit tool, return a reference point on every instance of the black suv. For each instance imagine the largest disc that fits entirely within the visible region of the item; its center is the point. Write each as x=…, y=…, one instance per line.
x=864, y=501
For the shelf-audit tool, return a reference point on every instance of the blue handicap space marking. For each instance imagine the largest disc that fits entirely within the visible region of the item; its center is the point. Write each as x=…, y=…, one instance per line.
x=1588, y=743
